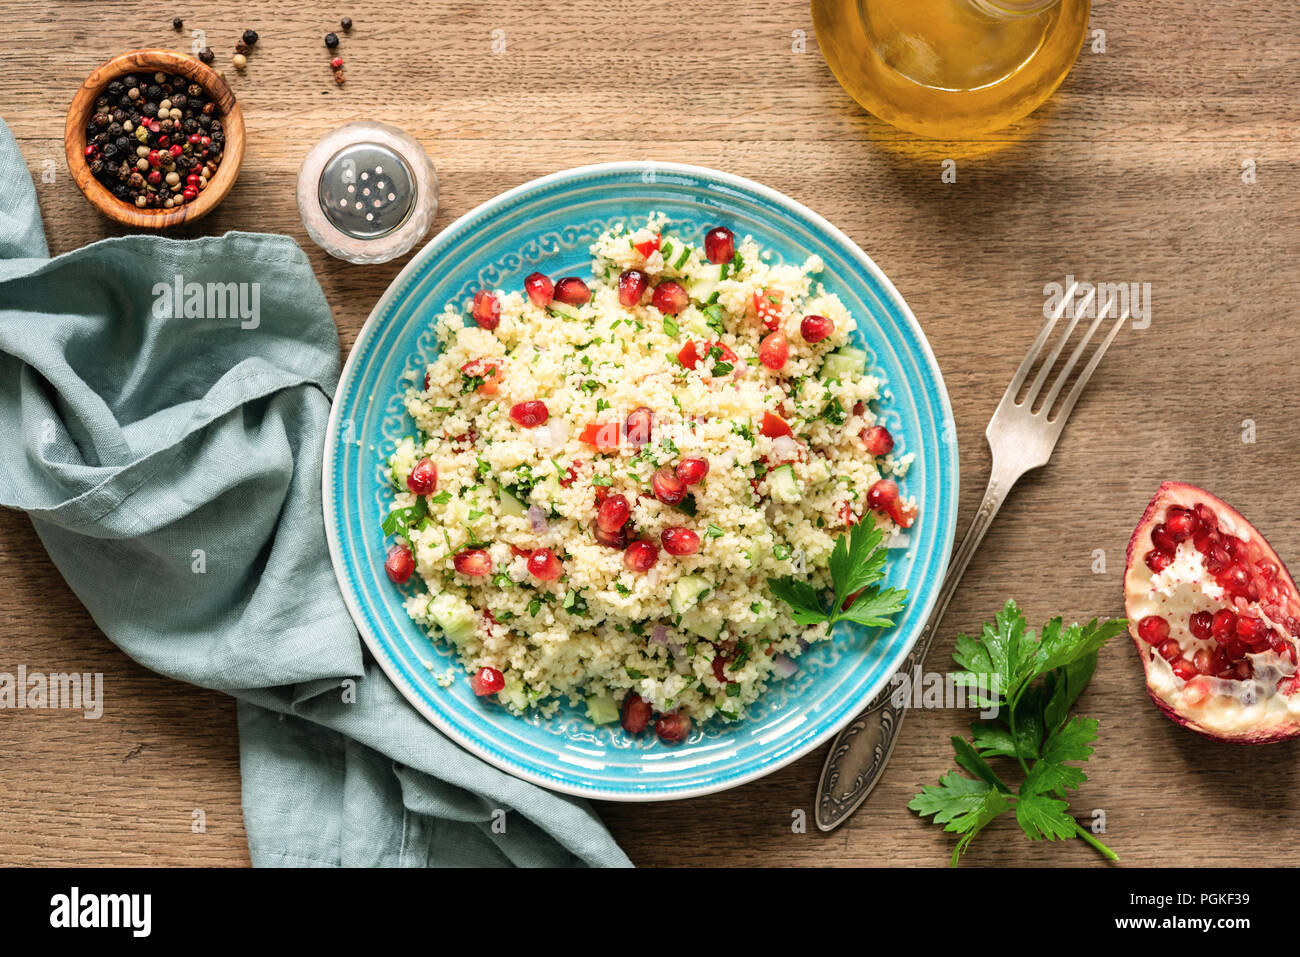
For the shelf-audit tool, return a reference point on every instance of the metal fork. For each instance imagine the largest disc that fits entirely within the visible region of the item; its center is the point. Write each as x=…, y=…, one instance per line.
x=1020, y=439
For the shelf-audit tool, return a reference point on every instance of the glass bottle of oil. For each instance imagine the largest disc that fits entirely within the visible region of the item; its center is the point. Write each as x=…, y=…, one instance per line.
x=950, y=68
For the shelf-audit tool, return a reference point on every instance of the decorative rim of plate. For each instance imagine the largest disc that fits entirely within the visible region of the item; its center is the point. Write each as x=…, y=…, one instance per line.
x=399, y=286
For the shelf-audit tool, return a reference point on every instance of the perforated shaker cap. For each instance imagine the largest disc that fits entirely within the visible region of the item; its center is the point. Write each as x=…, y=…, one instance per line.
x=367, y=190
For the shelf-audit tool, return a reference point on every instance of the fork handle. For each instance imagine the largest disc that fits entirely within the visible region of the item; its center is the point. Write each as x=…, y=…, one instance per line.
x=858, y=757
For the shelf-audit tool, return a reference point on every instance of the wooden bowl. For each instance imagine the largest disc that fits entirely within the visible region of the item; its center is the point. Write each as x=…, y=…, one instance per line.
x=154, y=61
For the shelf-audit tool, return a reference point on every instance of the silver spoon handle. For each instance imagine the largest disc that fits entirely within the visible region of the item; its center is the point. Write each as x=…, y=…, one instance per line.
x=858, y=757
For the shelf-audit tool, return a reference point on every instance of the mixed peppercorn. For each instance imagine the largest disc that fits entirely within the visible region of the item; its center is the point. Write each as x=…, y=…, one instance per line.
x=154, y=140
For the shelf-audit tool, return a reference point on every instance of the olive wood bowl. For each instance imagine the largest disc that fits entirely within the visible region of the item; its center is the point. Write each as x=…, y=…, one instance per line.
x=154, y=61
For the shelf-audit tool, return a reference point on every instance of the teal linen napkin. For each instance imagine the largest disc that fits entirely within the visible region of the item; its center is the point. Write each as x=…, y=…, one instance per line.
x=171, y=467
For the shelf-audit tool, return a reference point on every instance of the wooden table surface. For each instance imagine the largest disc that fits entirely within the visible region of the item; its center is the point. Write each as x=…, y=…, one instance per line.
x=1133, y=172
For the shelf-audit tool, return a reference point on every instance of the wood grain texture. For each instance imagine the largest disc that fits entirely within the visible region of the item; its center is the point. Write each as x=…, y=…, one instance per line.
x=152, y=61
x=1133, y=172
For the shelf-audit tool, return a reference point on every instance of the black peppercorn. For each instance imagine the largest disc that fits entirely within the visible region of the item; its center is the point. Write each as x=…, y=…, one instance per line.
x=250, y=37
x=331, y=40
x=346, y=24
x=206, y=55
x=116, y=88
x=177, y=23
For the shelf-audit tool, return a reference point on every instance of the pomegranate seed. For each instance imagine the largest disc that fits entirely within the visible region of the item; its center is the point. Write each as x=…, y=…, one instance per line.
x=882, y=496
x=1267, y=570
x=773, y=351
x=668, y=488
x=1184, y=669
x=816, y=328
x=487, y=681
x=399, y=564
x=632, y=285
x=673, y=727
x=1251, y=630
x=1200, y=624
x=1180, y=522
x=636, y=713
x=1196, y=691
x=1206, y=516
x=1162, y=540
x=487, y=311
x=640, y=556
x=1218, y=560
x=692, y=471
x=543, y=565
x=540, y=289
x=423, y=478
x=1202, y=660
x=1158, y=561
x=613, y=513
x=640, y=424
x=720, y=245
x=877, y=440
x=1243, y=670
x=1170, y=649
x=615, y=539
x=1235, y=547
x=1224, y=624
x=679, y=541
x=1153, y=629
x=670, y=298
x=530, y=414
x=1203, y=540
x=474, y=561
x=1236, y=580
x=572, y=291
x=1219, y=662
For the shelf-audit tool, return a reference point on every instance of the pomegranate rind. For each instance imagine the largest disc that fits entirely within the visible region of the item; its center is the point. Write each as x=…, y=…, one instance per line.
x=1277, y=723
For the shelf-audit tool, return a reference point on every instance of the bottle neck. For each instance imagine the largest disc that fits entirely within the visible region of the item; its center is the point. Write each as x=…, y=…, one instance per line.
x=1009, y=9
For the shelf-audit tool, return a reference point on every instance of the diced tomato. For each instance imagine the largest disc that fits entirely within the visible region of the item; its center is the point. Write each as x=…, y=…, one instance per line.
x=720, y=662
x=570, y=474
x=691, y=353
x=603, y=435
x=489, y=370
x=687, y=356
x=846, y=514
x=520, y=552
x=767, y=306
x=774, y=425
x=647, y=247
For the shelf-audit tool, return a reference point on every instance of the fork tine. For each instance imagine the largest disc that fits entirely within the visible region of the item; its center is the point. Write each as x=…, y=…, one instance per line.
x=1019, y=378
x=1064, y=376
x=1088, y=370
x=1037, y=386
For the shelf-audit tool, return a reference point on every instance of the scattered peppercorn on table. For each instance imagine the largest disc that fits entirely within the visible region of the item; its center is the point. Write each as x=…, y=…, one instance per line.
x=1163, y=160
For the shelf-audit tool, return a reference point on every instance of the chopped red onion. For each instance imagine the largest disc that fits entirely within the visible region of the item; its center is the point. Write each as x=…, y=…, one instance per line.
x=785, y=448
x=660, y=634
x=803, y=645
x=784, y=666
x=537, y=518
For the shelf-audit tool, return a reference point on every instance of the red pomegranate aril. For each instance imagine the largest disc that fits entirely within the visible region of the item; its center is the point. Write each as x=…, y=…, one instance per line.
x=679, y=541
x=773, y=351
x=530, y=414
x=1180, y=523
x=640, y=556
x=882, y=495
x=540, y=289
x=1199, y=624
x=1219, y=661
x=399, y=564
x=877, y=440
x=1267, y=570
x=636, y=713
x=1251, y=630
x=544, y=565
x=475, y=562
x=613, y=513
x=692, y=471
x=1158, y=561
x=668, y=488
x=487, y=311
x=673, y=727
x=487, y=681
x=423, y=478
x=632, y=285
x=1202, y=661
x=1217, y=560
x=1184, y=669
x=670, y=298
x=1162, y=540
x=815, y=328
x=720, y=245
x=1224, y=624
x=1153, y=629
x=640, y=426
x=615, y=539
x=572, y=291
x=1170, y=649
x=1203, y=540
x=1235, y=581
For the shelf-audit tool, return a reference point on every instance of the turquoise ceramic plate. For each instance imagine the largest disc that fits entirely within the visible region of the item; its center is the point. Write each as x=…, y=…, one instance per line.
x=548, y=225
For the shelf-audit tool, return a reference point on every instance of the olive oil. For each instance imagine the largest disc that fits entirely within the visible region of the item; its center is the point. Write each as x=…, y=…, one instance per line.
x=950, y=68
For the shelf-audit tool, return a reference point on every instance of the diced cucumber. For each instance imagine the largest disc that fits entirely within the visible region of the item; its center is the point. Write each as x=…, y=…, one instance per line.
x=454, y=616
x=703, y=291
x=686, y=591
x=706, y=627
x=602, y=709
x=511, y=505
x=563, y=310
x=844, y=363
x=514, y=693
x=783, y=484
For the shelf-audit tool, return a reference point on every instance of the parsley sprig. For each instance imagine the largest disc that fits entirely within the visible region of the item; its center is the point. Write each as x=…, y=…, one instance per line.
x=1033, y=680
x=857, y=563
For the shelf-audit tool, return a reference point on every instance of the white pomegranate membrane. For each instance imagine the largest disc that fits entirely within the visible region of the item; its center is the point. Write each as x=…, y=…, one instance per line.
x=1215, y=618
